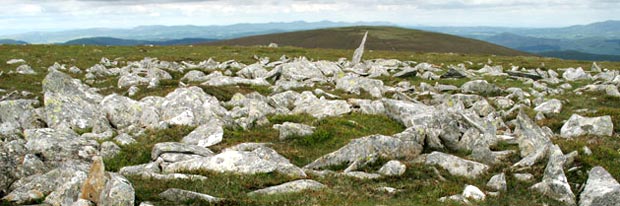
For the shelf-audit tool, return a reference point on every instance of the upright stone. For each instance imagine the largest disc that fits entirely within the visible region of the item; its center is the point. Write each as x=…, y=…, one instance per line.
x=96, y=181
x=359, y=52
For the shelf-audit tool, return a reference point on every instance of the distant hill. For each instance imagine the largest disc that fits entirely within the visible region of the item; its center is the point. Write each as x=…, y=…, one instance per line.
x=162, y=33
x=11, y=41
x=379, y=38
x=601, y=38
x=575, y=55
x=109, y=41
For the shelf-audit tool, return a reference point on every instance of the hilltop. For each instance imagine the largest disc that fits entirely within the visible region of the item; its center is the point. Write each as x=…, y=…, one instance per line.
x=379, y=38
x=109, y=41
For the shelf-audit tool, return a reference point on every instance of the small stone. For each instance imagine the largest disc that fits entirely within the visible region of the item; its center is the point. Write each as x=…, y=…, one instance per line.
x=497, y=182
x=524, y=177
x=289, y=129
x=290, y=187
x=474, y=193
x=393, y=168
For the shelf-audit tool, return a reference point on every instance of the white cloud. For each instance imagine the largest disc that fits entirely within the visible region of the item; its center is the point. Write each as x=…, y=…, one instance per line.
x=48, y=14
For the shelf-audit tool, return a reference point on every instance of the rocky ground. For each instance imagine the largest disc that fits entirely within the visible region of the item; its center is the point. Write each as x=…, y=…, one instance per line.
x=294, y=131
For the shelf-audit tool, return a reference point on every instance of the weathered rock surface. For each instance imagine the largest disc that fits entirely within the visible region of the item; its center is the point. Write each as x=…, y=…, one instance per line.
x=456, y=166
x=319, y=108
x=481, y=87
x=393, y=168
x=242, y=159
x=552, y=106
x=554, y=183
x=362, y=148
x=70, y=103
x=601, y=189
x=179, y=195
x=578, y=126
x=290, y=187
x=205, y=135
x=290, y=129
x=498, y=182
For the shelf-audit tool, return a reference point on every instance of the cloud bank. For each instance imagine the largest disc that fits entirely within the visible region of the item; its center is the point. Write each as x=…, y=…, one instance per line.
x=29, y=15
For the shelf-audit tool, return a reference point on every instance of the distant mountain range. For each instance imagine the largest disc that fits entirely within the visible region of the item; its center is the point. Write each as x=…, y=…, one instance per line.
x=164, y=33
x=11, y=41
x=598, y=39
x=108, y=41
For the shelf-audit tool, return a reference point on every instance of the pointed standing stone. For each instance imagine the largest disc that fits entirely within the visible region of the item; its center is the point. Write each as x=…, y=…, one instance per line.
x=96, y=181
x=359, y=52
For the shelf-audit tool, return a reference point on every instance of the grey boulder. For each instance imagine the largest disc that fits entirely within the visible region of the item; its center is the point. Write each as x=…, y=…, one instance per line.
x=601, y=189
x=578, y=125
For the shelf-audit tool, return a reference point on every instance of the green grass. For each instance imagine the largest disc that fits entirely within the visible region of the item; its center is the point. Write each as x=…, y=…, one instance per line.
x=331, y=133
x=140, y=152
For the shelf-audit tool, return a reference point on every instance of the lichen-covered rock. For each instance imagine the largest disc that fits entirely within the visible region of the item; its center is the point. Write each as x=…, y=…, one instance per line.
x=552, y=106
x=290, y=129
x=242, y=159
x=393, y=168
x=456, y=165
x=190, y=106
x=554, y=183
x=58, y=145
x=481, y=87
x=407, y=112
x=70, y=103
x=56, y=181
x=109, y=149
x=20, y=113
x=578, y=126
x=290, y=187
x=375, y=145
x=177, y=147
x=124, y=112
x=572, y=74
x=530, y=136
x=205, y=135
x=25, y=69
x=601, y=189
x=319, y=108
x=117, y=191
x=497, y=182
x=355, y=85
x=367, y=106
x=179, y=195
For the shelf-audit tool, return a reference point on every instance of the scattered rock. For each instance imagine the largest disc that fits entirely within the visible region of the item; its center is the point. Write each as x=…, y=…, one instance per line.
x=456, y=166
x=25, y=69
x=289, y=129
x=473, y=193
x=481, y=87
x=179, y=195
x=497, y=182
x=554, y=183
x=578, y=126
x=290, y=187
x=362, y=148
x=553, y=106
x=205, y=135
x=524, y=177
x=601, y=189
x=572, y=74
x=393, y=168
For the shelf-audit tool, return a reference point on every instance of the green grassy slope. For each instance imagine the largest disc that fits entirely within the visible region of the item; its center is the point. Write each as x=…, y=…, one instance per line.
x=379, y=38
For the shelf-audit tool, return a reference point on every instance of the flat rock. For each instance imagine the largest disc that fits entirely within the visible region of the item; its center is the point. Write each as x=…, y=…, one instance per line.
x=498, y=182
x=552, y=106
x=290, y=187
x=319, y=108
x=179, y=195
x=456, y=165
x=375, y=145
x=241, y=159
x=205, y=135
x=290, y=129
x=177, y=147
x=393, y=168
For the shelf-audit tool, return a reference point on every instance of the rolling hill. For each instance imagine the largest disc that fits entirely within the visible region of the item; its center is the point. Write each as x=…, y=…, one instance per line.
x=379, y=38
x=109, y=41
x=11, y=41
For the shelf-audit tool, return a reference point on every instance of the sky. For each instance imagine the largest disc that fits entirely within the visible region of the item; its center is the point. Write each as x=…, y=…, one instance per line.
x=17, y=16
